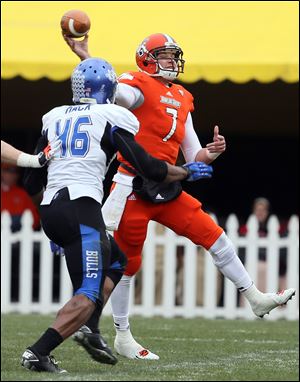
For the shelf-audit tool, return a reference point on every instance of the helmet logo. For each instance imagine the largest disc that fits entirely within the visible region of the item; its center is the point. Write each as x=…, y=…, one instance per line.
x=141, y=50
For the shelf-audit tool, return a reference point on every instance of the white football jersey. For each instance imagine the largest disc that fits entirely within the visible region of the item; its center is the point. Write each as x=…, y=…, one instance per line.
x=86, y=148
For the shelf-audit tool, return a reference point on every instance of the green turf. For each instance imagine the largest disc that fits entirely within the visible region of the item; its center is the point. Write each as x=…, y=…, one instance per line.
x=189, y=349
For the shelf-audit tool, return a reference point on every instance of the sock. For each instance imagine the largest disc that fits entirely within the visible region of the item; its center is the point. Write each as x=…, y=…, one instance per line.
x=93, y=322
x=49, y=341
x=229, y=264
x=120, y=303
x=252, y=294
x=236, y=272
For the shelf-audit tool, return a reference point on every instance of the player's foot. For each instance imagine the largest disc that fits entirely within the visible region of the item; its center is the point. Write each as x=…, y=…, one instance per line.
x=126, y=346
x=95, y=345
x=36, y=362
x=269, y=301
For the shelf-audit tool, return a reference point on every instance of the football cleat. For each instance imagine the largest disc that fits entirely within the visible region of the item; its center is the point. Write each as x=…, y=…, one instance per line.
x=35, y=362
x=126, y=346
x=269, y=301
x=95, y=345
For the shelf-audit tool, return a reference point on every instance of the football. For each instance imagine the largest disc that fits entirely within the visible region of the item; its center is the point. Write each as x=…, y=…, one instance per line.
x=75, y=23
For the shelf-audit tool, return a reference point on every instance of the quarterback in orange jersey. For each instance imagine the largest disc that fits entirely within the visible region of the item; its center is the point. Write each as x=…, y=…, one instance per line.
x=164, y=111
x=162, y=115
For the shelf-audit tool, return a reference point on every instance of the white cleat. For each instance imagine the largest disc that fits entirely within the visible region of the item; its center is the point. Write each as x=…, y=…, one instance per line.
x=269, y=301
x=126, y=346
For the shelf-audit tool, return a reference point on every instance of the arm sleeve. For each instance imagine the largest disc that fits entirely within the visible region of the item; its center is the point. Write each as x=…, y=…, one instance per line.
x=128, y=96
x=190, y=145
x=35, y=179
x=143, y=162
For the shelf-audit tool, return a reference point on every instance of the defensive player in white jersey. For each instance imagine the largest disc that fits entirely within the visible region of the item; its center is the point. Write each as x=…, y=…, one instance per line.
x=89, y=133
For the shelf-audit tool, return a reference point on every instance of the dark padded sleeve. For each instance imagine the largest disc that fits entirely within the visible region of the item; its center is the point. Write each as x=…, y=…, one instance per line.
x=143, y=162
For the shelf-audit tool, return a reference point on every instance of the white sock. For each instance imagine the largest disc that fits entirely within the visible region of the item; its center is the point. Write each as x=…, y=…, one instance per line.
x=253, y=295
x=229, y=264
x=120, y=303
x=236, y=272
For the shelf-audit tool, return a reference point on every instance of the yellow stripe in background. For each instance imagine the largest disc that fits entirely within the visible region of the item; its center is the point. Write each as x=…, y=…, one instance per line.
x=236, y=40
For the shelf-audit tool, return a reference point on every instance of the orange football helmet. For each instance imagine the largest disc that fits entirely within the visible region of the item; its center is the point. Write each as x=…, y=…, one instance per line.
x=147, y=56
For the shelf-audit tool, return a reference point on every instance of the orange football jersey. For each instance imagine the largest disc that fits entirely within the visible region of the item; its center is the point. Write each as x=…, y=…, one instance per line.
x=162, y=116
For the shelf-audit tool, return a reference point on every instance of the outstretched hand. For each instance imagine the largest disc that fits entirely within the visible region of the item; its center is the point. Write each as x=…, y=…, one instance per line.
x=197, y=170
x=79, y=47
x=218, y=145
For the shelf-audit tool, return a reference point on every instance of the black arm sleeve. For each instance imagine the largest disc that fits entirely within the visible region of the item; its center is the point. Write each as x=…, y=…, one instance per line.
x=143, y=162
x=35, y=179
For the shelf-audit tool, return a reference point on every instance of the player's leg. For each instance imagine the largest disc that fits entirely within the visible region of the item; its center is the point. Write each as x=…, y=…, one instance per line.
x=225, y=258
x=130, y=237
x=89, y=335
x=73, y=224
x=199, y=227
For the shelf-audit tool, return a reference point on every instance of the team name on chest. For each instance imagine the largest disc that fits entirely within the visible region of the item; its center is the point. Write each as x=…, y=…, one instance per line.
x=170, y=101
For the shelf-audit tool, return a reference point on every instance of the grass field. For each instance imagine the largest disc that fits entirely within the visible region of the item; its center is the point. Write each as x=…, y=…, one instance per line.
x=189, y=349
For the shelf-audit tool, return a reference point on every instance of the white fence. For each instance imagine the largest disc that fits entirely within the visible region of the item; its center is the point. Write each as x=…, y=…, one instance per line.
x=163, y=245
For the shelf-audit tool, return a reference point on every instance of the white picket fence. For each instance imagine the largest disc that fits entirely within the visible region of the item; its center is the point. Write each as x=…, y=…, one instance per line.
x=168, y=241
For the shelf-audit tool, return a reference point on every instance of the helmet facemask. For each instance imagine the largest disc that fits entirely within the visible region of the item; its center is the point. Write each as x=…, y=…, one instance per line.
x=177, y=62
